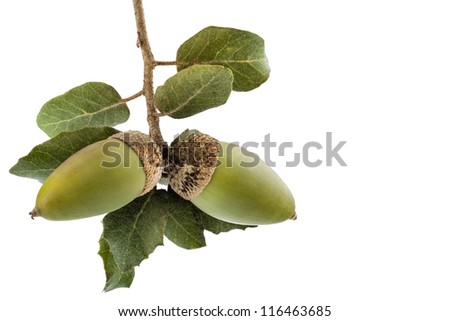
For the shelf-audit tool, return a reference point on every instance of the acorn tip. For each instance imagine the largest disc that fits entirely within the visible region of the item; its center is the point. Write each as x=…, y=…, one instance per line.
x=34, y=213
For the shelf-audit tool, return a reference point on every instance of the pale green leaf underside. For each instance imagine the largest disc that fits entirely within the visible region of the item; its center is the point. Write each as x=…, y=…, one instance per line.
x=240, y=51
x=93, y=104
x=46, y=157
x=194, y=90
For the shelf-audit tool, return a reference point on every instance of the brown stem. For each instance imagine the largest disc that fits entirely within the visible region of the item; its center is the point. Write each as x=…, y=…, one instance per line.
x=136, y=95
x=125, y=100
x=149, y=65
x=166, y=63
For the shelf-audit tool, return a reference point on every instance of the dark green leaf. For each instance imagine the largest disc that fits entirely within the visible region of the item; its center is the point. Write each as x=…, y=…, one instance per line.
x=45, y=158
x=115, y=278
x=134, y=231
x=239, y=50
x=216, y=226
x=194, y=90
x=183, y=227
x=93, y=104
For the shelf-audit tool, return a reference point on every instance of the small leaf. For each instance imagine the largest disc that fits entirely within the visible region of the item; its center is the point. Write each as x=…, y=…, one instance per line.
x=183, y=227
x=93, y=104
x=134, y=231
x=46, y=157
x=217, y=226
x=115, y=278
x=240, y=51
x=194, y=90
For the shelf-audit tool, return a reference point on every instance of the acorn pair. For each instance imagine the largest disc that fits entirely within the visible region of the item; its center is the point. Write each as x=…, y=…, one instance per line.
x=221, y=179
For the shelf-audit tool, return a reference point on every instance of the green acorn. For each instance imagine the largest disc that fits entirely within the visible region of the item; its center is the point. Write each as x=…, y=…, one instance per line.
x=100, y=178
x=228, y=182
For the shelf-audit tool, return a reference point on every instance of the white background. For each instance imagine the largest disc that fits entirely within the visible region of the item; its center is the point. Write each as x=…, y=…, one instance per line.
x=372, y=239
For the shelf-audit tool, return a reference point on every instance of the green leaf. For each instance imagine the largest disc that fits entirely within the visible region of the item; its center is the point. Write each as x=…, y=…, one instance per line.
x=115, y=278
x=134, y=231
x=46, y=157
x=194, y=90
x=240, y=51
x=93, y=104
x=183, y=227
x=217, y=226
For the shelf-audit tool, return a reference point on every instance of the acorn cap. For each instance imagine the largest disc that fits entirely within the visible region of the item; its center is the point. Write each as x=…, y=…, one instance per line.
x=149, y=154
x=193, y=158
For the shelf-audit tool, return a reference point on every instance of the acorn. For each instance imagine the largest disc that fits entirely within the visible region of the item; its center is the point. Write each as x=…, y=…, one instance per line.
x=227, y=181
x=100, y=178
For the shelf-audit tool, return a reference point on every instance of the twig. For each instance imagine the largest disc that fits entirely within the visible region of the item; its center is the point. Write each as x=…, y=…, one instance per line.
x=149, y=65
x=136, y=95
x=166, y=63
